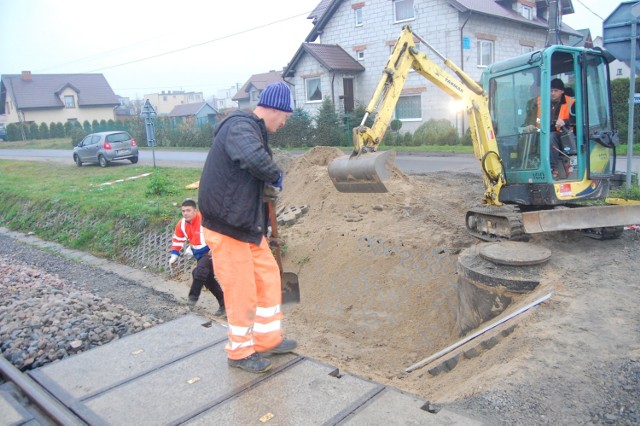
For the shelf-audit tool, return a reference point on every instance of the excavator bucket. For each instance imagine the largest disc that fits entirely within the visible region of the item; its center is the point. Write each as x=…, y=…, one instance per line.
x=362, y=173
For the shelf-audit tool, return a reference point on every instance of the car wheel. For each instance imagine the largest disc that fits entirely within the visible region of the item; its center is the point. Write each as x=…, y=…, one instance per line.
x=133, y=160
x=103, y=161
x=78, y=161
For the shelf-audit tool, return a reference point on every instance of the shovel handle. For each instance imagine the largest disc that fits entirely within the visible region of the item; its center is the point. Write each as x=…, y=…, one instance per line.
x=274, y=231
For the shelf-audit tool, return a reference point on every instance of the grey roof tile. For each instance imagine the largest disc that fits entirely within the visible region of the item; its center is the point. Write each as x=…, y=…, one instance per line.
x=259, y=81
x=41, y=90
x=330, y=56
x=188, y=109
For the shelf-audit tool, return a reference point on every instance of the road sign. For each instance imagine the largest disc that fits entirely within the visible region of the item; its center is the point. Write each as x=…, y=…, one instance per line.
x=149, y=114
x=616, y=32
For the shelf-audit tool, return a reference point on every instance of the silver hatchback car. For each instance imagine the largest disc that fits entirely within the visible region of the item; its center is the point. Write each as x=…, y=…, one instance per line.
x=105, y=147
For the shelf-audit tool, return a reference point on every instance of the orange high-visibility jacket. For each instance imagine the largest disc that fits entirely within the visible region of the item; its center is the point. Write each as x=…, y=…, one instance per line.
x=564, y=113
x=191, y=232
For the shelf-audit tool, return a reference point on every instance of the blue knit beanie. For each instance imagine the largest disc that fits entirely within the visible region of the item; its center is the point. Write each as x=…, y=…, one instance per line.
x=276, y=96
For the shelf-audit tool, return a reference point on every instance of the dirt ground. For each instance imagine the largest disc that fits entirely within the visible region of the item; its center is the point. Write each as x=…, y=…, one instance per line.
x=378, y=281
x=379, y=293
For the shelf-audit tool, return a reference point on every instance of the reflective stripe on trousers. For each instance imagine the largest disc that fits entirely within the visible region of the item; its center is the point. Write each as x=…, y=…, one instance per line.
x=250, y=279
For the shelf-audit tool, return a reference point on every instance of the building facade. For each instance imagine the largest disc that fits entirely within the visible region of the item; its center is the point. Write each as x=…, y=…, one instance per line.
x=471, y=33
x=165, y=101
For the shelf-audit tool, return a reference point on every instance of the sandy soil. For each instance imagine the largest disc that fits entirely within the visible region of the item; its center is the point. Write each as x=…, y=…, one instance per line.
x=379, y=293
x=378, y=281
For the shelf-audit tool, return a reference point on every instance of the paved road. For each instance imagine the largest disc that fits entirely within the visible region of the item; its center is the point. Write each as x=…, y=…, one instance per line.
x=409, y=162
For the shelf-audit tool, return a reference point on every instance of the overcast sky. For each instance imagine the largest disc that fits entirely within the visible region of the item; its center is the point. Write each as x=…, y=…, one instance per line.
x=144, y=46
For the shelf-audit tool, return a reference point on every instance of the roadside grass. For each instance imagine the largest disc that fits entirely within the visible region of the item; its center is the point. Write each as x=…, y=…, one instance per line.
x=73, y=206
x=633, y=193
x=58, y=143
x=65, y=143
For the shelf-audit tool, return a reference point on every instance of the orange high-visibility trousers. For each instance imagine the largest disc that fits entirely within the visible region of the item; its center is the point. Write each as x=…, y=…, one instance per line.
x=250, y=279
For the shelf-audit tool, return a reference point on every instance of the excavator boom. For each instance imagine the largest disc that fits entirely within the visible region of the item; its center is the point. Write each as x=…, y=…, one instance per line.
x=366, y=169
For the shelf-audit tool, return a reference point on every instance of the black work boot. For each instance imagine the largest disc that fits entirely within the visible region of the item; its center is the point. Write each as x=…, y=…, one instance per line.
x=254, y=363
x=285, y=347
x=221, y=312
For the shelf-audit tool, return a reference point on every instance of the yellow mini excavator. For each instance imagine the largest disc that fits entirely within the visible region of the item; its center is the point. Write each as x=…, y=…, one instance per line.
x=522, y=194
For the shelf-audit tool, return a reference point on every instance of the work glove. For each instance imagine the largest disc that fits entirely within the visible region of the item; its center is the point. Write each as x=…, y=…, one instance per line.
x=278, y=183
x=173, y=259
x=271, y=193
x=188, y=252
x=530, y=128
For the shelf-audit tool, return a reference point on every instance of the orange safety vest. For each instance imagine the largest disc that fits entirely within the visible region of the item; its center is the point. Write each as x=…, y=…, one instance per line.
x=564, y=113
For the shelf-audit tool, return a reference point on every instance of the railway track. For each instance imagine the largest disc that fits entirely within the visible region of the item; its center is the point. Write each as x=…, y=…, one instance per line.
x=25, y=402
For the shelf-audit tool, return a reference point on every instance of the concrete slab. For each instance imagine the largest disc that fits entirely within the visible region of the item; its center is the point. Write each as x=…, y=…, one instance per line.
x=177, y=373
x=308, y=393
x=175, y=392
x=395, y=407
x=514, y=253
x=99, y=369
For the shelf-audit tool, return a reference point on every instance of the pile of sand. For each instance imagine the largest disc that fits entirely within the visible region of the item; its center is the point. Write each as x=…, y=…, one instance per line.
x=377, y=271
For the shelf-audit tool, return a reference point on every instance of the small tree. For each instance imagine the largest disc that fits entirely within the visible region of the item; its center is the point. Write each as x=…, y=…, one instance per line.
x=296, y=133
x=44, y=131
x=328, y=130
x=76, y=134
x=67, y=128
x=436, y=132
x=33, y=131
x=86, y=126
x=396, y=125
x=59, y=131
x=13, y=132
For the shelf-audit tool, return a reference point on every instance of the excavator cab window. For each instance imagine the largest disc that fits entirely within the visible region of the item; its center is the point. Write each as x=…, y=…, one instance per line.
x=599, y=123
x=513, y=105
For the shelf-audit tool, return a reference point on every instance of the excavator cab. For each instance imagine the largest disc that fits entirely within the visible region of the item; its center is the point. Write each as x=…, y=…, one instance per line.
x=519, y=92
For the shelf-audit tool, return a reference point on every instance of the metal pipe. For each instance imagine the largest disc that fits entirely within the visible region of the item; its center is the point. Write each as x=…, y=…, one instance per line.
x=474, y=335
x=59, y=413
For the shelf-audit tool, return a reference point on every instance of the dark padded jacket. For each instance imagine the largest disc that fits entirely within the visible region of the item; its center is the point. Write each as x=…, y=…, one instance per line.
x=232, y=181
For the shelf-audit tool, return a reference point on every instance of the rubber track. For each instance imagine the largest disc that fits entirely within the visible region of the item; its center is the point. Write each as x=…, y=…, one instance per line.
x=508, y=217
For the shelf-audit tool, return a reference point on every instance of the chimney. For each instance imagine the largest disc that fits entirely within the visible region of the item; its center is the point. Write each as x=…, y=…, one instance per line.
x=26, y=75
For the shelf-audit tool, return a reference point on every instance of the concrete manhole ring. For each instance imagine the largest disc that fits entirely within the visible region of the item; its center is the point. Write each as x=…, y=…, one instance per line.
x=514, y=253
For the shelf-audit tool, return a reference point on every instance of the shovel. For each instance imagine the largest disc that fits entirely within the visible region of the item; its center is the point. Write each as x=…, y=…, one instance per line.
x=290, y=285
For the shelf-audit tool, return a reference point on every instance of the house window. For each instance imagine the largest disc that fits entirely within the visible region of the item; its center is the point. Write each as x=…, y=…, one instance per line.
x=255, y=96
x=358, y=16
x=526, y=49
x=485, y=52
x=619, y=71
x=409, y=108
x=313, y=89
x=526, y=12
x=403, y=10
x=69, y=102
x=360, y=55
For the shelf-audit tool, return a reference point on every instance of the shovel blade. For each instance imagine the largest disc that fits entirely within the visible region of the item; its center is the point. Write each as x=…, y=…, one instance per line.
x=290, y=288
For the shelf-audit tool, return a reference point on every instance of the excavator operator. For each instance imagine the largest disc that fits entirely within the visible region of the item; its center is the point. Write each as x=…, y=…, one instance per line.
x=562, y=120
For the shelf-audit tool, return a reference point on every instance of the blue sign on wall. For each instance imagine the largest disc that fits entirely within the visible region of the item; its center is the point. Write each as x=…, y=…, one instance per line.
x=466, y=43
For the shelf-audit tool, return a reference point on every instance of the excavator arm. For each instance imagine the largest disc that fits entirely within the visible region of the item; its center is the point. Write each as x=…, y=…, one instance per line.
x=365, y=169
